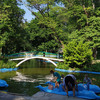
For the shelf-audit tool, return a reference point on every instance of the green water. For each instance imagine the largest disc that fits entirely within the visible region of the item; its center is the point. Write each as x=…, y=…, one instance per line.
x=33, y=73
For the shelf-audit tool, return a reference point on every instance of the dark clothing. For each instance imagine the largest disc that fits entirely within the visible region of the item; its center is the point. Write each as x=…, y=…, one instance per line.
x=69, y=79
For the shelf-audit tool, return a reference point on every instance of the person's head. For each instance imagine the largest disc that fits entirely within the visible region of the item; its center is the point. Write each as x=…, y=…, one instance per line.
x=86, y=75
x=51, y=71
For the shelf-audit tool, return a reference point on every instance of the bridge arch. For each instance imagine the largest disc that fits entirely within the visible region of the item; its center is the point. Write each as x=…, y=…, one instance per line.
x=35, y=58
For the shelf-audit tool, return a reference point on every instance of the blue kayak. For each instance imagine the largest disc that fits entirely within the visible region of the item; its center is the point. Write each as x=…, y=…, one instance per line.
x=81, y=93
x=3, y=83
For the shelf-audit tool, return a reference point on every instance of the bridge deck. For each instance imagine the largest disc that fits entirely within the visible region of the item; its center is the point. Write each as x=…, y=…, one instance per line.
x=48, y=59
x=38, y=57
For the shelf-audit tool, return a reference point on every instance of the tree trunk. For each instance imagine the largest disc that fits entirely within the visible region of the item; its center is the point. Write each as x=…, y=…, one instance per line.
x=85, y=12
x=95, y=52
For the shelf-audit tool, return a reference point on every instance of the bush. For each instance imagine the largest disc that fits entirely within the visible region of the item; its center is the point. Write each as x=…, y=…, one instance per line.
x=7, y=64
x=62, y=66
x=95, y=67
x=77, y=54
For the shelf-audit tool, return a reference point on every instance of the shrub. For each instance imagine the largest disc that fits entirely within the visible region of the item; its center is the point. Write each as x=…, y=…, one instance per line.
x=95, y=67
x=7, y=64
x=62, y=65
x=77, y=54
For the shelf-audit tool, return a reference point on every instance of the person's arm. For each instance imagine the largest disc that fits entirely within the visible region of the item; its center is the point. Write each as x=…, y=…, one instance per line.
x=63, y=84
x=65, y=89
x=54, y=79
x=76, y=85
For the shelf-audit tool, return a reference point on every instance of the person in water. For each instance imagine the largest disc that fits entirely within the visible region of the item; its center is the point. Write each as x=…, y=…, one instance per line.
x=69, y=81
x=57, y=78
x=87, y=80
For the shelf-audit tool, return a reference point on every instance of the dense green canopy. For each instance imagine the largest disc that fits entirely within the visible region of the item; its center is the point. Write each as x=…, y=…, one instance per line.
x=56, y=24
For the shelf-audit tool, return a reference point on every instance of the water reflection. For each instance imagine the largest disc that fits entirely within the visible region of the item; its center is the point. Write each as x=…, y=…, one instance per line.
x=26, y=78
x=22, y=78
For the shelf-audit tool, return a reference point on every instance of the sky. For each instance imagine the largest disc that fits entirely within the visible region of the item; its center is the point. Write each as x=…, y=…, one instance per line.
x=28, y=16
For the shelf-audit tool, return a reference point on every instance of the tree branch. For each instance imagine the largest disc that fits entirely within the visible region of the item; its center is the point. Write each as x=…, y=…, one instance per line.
x=85, y=12
x=29, y=9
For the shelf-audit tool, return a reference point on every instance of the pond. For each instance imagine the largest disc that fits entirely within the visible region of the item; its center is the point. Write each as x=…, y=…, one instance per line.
x=33, y=73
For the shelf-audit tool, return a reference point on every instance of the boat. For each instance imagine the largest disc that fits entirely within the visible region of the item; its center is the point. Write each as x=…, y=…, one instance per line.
x=3, y=84
x=81, y=93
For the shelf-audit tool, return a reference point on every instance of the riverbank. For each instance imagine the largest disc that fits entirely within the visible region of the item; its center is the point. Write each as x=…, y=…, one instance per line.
x=38, y=96
x=94, y=67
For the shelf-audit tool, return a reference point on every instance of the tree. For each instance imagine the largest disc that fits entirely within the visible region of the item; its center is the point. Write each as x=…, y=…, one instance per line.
x=40, y=38
x=77, y=54
x=76, y=19
x=3, y=20
x=47, y=12
x=83, y=21
x=11, y=31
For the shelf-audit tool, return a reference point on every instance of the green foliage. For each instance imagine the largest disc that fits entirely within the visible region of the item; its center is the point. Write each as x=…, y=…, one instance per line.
x=49, y=22
x=7, y=64
x=12, y=34
x=94, y=67
x=56, y=22
x=77, y=54
x=83, y=22
x=62, y=66
x=40, y=37
x=49, y=46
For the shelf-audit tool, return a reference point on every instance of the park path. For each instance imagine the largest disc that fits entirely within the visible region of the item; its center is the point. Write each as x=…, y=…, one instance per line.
x=51, y=96
x=38, y=96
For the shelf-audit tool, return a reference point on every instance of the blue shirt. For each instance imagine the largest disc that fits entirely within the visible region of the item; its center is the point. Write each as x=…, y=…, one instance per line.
x=87, y=80
x=57, y=75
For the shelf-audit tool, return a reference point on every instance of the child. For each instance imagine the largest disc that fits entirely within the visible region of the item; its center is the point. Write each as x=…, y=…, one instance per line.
x=57, y=78
x=87, y=80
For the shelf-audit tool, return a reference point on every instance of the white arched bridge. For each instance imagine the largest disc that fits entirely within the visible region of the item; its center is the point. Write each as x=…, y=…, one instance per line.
x=48, y=59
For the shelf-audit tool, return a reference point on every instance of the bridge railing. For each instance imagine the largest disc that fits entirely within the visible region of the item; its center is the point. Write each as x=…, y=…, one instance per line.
x=35, y=53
